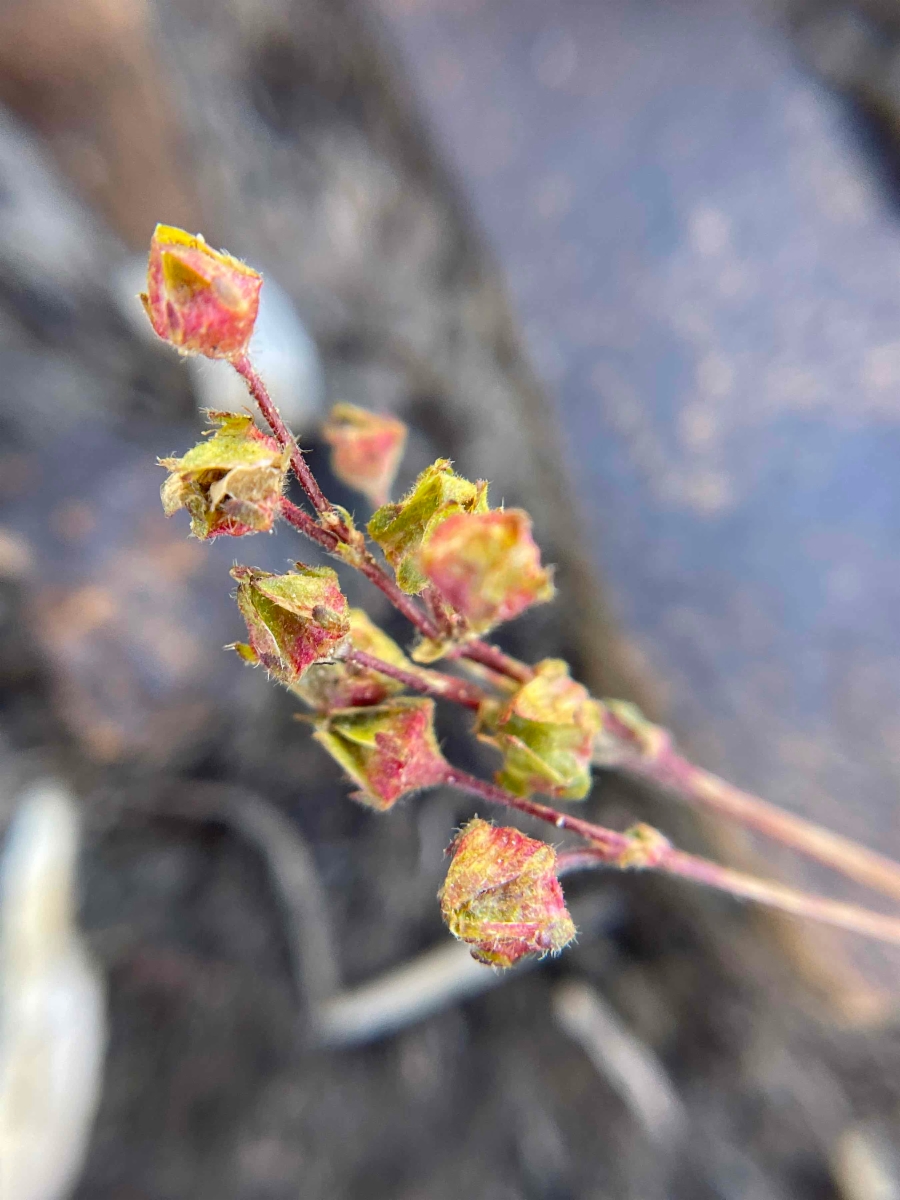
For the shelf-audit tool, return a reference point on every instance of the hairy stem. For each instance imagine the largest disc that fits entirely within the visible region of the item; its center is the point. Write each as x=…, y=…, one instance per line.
x=308, y=525
x=429, y=683
x=283, y=435
x=703, y=790
x=749, y=887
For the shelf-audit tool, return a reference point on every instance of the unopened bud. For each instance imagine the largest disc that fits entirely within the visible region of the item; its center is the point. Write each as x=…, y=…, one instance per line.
x=545, y=732
x=487, y=566
x=343, y=684
x=293, y=620
x=230, y=483
x=401, y=529
x=366, y=449
x=200, y=300
x=388, y=751
x=647, y=847
x=502, y=895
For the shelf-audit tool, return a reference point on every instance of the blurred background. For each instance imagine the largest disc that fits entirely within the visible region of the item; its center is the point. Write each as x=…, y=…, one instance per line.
x=638, y=263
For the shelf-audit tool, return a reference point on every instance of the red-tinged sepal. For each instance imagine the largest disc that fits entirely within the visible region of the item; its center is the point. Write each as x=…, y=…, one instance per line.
x=343, y=684
x=200, y=300
x=486, y=566
x=231, y=483
x=366, y=449
x=293, y=620
x=403, y=528
x=388, y=751
x=502, y=896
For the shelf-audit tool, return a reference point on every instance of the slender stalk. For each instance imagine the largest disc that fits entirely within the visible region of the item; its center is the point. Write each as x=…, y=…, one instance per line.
x=602, y=839
x=749, y=887
x=495, y=658
x=283, y=435
x=308, y=525
x=429, y=683
x=703, y=790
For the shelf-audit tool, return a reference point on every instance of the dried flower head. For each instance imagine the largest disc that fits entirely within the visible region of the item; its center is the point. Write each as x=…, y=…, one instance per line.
x=502, y=896
x=293, y=620
x=401, y=529
x=366, y=449
x=389, y=750
x=341, y=684
x=200, y=300
x=231, y=483
x=546, y=733
x=487, y=566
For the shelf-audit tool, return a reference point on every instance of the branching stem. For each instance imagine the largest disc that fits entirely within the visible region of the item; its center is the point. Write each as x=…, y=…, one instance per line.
x=701, y=789
x=665, y=768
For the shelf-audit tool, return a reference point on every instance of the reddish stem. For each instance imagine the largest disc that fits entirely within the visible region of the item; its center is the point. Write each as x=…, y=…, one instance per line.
x=401, y=601
x=495, y=658
x=748, y=887
x=283, y=435
x=429, y=683
x=308, y=525
x=704, y=790
x=607, y=840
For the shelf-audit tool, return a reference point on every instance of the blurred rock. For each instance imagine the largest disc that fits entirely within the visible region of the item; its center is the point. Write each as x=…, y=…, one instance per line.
x=52, y=1004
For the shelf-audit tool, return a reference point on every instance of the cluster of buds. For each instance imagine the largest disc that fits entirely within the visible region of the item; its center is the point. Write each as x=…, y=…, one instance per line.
x=502, y=896
x=477, y=567
x=546, y=731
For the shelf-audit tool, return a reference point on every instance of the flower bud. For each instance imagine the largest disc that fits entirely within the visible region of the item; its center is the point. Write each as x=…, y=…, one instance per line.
x=230, y=483
x=401, y=529
x=487, y=566
x=502, y=896
x=365, y=449
x=293, y=620
x=545, y=732
x=201, y=300
x=389, y=750
x=341, y=684
x=647, y=847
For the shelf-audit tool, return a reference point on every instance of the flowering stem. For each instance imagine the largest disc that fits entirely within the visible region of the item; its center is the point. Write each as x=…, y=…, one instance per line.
x=429, y=683
x=749, y=887
x=703, y=790
x=607, y=840
x=609, y=848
